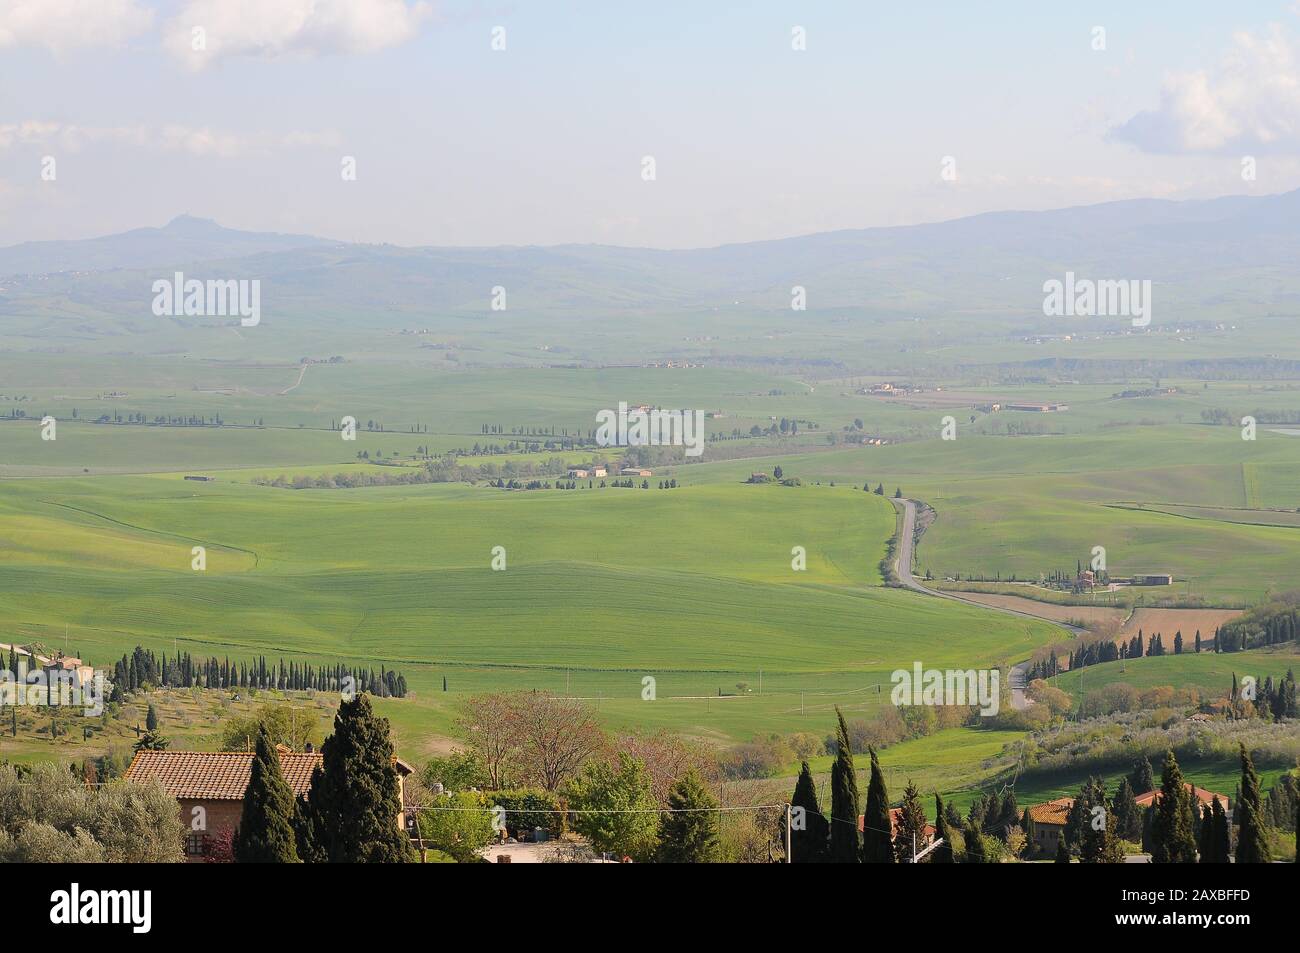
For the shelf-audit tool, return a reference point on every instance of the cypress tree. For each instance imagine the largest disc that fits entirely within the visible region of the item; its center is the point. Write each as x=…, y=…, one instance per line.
x=1062, y=852
x=1099, y=843
x=1206, y=845
x=943, y=853
x=355, y=807
x=974, y=853
x=877, y=830
x=304, y=835
x=265, y=833
x=1128, y=820
x=1221, y=840
x=844, y=799
x=689, y=835
x=1172, y=838
x=1030, y=830
x=1252, y=848
x=1142, y=779
x=151, y=718
x=809, y=845
x=911, y=824
x=1010, y=815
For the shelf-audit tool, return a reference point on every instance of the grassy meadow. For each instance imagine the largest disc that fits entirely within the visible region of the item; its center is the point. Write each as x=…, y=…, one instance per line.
x=605, y=586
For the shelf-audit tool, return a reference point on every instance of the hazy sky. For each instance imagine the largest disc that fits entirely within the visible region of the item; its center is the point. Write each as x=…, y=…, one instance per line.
x=543, y=142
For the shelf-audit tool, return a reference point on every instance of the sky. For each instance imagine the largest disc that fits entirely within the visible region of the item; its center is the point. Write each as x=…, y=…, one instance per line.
x=530, y=122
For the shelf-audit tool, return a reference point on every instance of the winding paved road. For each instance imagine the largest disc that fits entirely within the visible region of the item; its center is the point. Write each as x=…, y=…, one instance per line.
x=903, y=566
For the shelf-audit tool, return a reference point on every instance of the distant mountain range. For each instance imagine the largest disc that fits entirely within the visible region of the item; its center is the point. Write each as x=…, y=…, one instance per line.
x=185, y=240
x=1202, y=254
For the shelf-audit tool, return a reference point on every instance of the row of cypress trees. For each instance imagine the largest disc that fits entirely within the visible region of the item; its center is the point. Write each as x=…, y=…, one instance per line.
x=143, y=668
x=836, y=839
x=818, y=839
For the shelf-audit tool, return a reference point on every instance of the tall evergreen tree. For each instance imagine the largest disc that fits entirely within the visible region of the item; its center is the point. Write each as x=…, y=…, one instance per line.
x=911, y=824
x=151, y=718
x=809, y=844
x=877, y=833
x=1172, y=837
x=1221, y=840
x=1128, y=817
x=304, y=835
x=1062, y=852
x=1205, y=844
x=1252, y=848
x=265, y=833
x=689, y=834
x=844, y=799
x=1030, y=830
x=355, y=804
x=974, y=853
x=1099, y=843
x=1142, y=779
x=943, y=853
x=1010, y=816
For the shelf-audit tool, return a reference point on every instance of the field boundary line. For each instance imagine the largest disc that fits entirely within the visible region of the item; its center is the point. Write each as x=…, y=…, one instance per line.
x=155, y=532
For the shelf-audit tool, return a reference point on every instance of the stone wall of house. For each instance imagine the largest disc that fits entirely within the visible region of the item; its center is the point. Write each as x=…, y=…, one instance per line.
x=203, y=827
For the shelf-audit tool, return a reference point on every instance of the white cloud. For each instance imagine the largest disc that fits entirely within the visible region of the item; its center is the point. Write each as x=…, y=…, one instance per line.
x=270, y=30
x=1250, y=102
x=62, y=25
x=172, y=137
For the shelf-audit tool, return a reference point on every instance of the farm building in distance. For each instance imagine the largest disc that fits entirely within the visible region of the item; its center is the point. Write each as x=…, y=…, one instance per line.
x=1039, y=408
x=200, y=479
x=1049, y=824
x=636, y=471
x=1154, y=579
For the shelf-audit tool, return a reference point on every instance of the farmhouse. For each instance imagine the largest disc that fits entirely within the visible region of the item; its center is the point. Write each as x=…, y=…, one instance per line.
x=1202, y=796
x=895, y=813
x=209, y=787
x=636, y=471
x=1049, y=823
x=76, y=670
x=579, y=473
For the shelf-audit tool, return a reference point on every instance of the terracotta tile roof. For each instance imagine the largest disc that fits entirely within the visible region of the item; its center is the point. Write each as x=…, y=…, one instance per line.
x=1202, y=795
x=894, y=814
x=216, y=775
x=1052, y=812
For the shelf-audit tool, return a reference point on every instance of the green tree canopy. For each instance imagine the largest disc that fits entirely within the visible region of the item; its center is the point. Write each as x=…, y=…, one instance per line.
x=265, y=833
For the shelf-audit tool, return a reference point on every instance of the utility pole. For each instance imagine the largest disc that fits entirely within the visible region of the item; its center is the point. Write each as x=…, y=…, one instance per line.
x=788, y=845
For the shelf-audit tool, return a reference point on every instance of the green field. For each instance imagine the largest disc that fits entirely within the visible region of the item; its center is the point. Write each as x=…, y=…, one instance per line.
x=603, y=587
